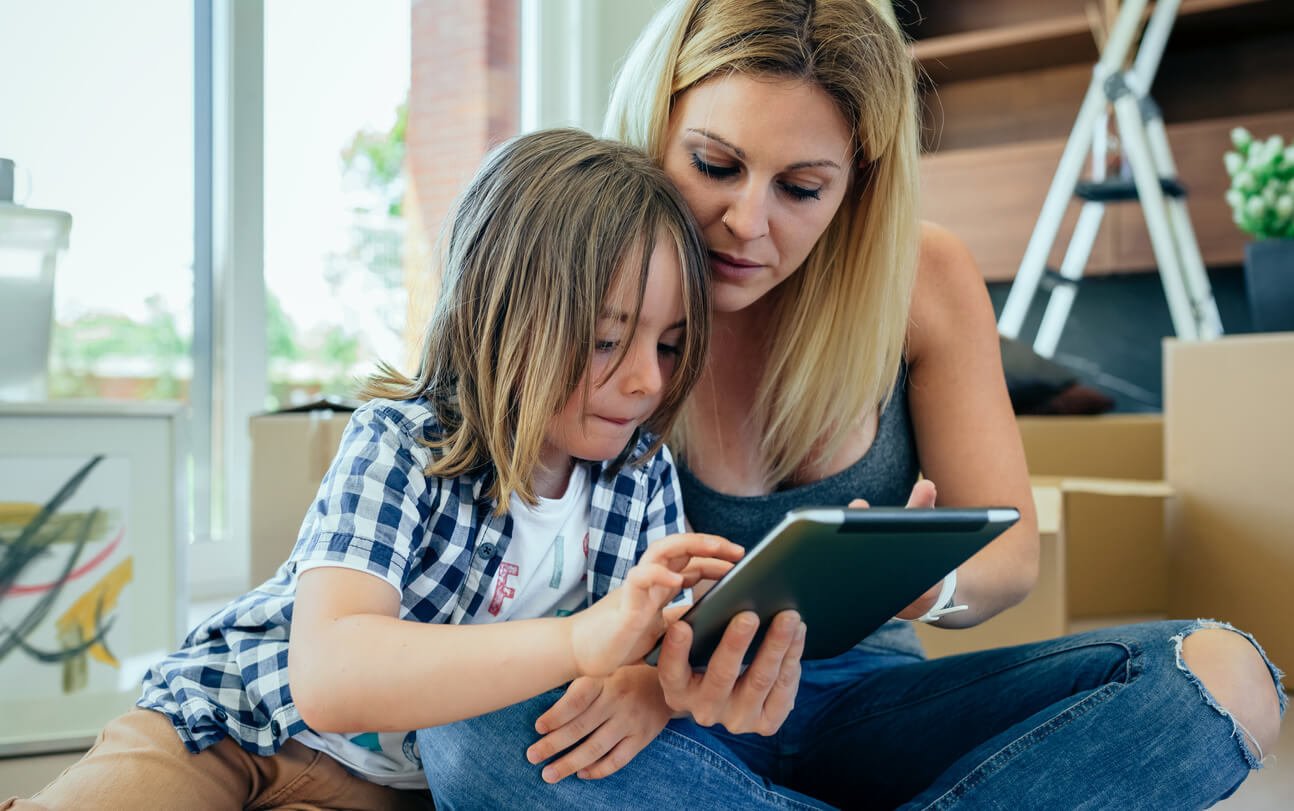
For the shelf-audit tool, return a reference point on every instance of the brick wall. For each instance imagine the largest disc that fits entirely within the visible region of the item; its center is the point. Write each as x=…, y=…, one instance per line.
x=463, y=99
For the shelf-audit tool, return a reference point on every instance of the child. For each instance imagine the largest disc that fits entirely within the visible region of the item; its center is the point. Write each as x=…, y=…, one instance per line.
x=518, y=476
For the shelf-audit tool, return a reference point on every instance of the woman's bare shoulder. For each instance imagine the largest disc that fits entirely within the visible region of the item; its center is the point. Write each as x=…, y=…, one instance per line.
x=949, y=296
x=944, y=260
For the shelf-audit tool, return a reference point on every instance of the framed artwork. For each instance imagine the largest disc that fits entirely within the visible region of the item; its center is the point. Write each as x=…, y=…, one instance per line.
x=93, y=575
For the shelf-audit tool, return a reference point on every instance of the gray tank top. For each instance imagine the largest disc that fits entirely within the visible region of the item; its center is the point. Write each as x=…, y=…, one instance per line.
x=884, y=476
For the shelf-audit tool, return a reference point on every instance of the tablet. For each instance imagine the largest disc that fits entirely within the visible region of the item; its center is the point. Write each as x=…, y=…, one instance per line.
x=847, y=571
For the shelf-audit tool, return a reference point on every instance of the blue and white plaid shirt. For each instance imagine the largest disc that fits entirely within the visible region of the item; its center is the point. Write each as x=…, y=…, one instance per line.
x=436, y=540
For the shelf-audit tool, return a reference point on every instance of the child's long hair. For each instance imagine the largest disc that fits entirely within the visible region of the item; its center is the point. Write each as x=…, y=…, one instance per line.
x=548, y=225
x=839, y=324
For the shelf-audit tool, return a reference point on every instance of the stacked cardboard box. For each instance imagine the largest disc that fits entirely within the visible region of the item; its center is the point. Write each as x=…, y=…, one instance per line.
x=1229, y=452
x=291, y=452
x=1099, y=490
x=1185, y=516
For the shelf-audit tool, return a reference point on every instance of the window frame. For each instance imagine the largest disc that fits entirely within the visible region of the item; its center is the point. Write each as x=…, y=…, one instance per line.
x=229, y=378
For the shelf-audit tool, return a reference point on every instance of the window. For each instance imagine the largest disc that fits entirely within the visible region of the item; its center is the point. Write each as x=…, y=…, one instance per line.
x=235, y=171
x=96, y=110
x=336, y=84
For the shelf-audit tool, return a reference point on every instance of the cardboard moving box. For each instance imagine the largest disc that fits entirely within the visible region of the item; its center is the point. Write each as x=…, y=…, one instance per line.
x=1098, y=487
x=1229, y=453
x=291, y=452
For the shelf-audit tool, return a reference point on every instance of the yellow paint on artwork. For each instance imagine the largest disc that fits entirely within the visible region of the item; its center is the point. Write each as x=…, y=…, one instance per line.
x=101, y=598
x=62, y=527
x=18, y=512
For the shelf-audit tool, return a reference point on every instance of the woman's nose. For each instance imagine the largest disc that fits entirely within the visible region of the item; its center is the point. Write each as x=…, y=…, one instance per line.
x=747, y=215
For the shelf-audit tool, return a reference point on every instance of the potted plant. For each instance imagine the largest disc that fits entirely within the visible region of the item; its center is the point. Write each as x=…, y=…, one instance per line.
x=1262, y=204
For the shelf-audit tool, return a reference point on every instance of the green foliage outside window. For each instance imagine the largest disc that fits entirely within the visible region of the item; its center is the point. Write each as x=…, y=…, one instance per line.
x=111, y=355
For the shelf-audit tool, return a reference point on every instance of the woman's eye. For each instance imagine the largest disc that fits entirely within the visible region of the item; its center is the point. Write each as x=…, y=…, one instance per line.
x=667, y=349
x=605, y=346
x=802, y=192
x=711, y=169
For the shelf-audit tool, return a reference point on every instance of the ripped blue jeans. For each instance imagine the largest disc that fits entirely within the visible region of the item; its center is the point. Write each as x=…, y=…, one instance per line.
x=1105, y=719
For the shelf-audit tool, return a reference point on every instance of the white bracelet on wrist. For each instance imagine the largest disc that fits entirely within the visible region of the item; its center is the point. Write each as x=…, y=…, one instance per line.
x=944, y=602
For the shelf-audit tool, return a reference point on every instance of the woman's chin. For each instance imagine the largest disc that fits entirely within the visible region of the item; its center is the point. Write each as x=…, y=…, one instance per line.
x=732, y=298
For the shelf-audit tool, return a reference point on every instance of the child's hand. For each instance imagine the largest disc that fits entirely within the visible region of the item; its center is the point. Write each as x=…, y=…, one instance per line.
x=623, y=626
x=611, y=719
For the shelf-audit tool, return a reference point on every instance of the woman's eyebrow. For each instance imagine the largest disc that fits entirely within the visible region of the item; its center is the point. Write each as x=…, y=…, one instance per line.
x=812, y=164
x=707, y=134
x=741, y=154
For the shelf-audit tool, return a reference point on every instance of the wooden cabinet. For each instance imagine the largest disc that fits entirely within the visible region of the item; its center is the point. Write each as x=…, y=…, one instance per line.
x=1004, y=80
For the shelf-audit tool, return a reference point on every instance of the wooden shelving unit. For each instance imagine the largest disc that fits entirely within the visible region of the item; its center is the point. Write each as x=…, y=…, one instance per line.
x=1004, y=82
x=1060, y=39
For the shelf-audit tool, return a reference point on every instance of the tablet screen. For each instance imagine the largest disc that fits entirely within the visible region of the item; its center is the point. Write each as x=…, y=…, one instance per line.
x=847, y=571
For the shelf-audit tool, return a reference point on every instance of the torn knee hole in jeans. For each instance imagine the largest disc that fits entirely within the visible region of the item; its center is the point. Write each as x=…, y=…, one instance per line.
x=1252, y=750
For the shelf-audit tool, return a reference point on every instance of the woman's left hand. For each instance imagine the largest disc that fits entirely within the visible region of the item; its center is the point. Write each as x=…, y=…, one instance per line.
x=611, y=719
x=923, y=495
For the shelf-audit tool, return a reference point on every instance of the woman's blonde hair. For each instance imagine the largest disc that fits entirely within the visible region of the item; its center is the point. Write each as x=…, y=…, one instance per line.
x=837, y=336
x=549, y=224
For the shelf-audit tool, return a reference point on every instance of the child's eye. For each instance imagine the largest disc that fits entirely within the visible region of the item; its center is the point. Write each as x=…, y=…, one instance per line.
x=711, y=169
x=802, y=192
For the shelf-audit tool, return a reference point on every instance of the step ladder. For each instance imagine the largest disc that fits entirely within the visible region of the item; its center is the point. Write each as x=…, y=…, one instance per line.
x=1154, y=184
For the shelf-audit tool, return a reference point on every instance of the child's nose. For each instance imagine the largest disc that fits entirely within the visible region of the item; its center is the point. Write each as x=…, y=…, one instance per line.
x=643, y=373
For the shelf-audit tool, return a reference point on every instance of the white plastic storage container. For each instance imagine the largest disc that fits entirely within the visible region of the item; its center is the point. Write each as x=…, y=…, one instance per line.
x=30, y=242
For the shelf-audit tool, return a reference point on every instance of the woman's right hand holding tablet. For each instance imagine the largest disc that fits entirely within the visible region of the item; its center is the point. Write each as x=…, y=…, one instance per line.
x=756, y=700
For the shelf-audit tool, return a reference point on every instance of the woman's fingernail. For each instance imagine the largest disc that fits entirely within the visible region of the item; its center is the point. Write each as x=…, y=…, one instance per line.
x=550, y=775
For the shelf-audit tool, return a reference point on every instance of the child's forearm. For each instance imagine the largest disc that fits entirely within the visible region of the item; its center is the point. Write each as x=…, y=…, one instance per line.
x=371, y=673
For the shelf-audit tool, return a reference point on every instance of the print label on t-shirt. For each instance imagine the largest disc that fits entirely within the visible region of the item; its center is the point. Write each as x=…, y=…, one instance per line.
x=542, y=568
x=559, y=552
x=502, y=590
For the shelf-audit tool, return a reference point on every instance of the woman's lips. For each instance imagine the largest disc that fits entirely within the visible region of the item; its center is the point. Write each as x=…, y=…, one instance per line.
x=731, y=267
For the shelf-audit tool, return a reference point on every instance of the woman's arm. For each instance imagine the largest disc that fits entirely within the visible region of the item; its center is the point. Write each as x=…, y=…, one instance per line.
x=966, y=434
x=353, y=665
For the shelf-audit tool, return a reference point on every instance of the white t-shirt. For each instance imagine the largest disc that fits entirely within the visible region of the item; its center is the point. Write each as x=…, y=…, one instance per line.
x=541, y=575
x=543, y=571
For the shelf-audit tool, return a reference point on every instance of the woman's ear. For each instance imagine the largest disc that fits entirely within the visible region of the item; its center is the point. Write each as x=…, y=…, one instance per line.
x=862, y=178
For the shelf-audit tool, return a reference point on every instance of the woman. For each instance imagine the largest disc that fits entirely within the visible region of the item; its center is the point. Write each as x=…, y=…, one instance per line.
x=851, y=348
x=790, y=128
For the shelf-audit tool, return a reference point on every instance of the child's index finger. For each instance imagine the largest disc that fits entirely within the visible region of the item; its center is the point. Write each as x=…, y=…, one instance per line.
x=678, y=551
x=682, y=544
x=717, y=545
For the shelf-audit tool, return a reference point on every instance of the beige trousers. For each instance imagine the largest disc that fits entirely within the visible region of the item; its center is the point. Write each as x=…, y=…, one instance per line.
x=138, y=762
